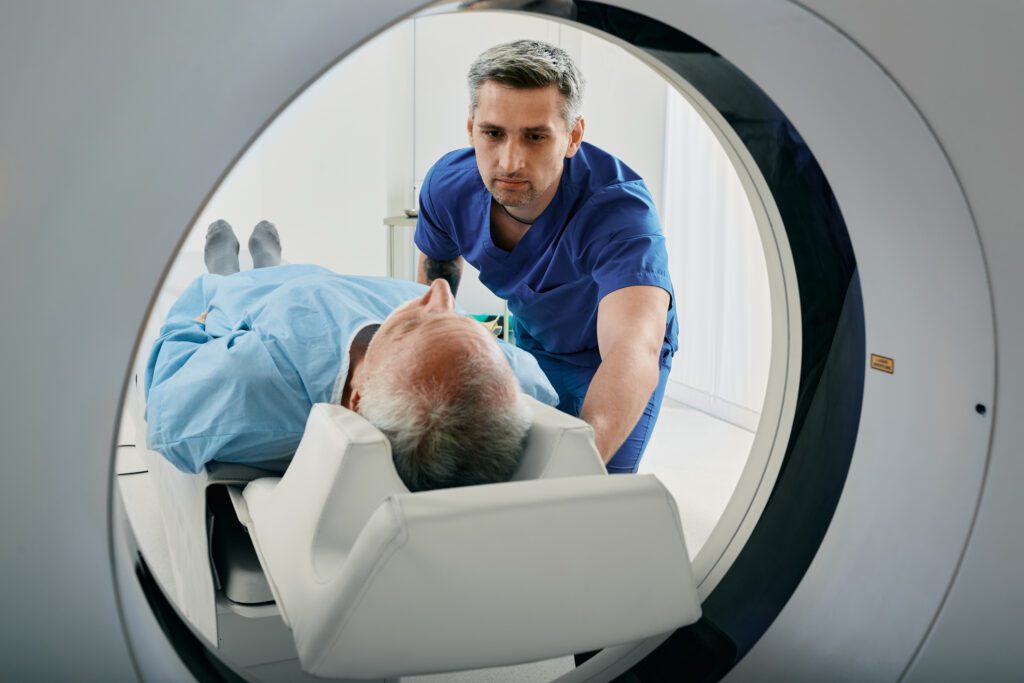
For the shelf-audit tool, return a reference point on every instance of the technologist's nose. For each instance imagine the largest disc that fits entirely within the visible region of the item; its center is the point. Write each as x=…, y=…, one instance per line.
x=511, y=156
x=439, y=297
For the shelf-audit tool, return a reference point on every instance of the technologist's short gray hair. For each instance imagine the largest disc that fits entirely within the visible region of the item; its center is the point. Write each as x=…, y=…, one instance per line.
x=529, y=64
x=470, y=431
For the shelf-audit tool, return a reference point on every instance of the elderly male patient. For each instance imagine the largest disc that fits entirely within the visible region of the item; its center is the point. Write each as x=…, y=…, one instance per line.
x=243, y=356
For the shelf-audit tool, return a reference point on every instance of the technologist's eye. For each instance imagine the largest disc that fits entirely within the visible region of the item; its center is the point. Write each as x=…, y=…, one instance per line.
x=537, y=137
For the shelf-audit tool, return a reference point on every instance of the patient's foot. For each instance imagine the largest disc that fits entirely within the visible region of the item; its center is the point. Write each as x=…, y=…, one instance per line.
x=221, y=252
x=265, y=245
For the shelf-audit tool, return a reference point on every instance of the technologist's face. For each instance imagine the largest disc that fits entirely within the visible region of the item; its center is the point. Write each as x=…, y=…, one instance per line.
x=425, y=335
x=520, y=139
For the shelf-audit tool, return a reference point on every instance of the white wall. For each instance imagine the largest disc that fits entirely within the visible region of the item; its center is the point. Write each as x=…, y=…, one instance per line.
x=332, y=165
x=624, y=107
x=719, y=274
x=326, y=171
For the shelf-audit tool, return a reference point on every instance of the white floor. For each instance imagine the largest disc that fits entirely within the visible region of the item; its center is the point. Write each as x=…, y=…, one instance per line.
x=699, y=458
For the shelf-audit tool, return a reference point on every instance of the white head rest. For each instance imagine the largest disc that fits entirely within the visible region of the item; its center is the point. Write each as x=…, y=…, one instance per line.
x=377, y=582
x=501, y=574
x=343, y=470
x=558, y=445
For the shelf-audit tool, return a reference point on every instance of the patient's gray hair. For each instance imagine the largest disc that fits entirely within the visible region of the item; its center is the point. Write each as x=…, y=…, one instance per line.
x=472, y=430
x=529, y=64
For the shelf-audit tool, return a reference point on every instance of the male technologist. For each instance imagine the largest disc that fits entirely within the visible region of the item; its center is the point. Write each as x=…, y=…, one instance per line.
x=243, y=356
x=567, y=234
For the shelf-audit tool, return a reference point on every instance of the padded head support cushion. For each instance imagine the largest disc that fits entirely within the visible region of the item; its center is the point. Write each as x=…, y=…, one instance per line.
x=379, y=582
x=557, y=445
x=501, y=574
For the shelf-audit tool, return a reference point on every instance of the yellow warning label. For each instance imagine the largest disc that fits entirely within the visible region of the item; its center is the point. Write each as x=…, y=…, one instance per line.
x=881, y=363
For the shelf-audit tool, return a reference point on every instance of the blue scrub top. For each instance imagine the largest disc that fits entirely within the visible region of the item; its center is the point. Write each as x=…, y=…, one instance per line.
x=599, y=234
x=238, y=387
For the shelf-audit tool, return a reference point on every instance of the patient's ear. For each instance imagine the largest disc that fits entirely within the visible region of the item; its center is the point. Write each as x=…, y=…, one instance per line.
x=353, y=400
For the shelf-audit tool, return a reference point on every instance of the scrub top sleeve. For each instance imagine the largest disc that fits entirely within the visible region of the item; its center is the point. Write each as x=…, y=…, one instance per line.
x=631, y=261
x=433, y=234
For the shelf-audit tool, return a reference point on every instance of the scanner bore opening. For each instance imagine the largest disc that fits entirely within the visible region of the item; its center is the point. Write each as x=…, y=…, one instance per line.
x=753, y=590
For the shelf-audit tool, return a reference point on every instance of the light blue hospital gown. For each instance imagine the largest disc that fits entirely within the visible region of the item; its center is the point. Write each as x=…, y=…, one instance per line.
x=239, y=387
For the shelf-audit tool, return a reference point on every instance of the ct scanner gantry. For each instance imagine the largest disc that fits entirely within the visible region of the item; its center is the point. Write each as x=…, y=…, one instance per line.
x=118, y=120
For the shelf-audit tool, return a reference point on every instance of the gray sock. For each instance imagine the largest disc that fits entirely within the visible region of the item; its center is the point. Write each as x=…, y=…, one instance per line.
x=265, y=245
x=221, y=252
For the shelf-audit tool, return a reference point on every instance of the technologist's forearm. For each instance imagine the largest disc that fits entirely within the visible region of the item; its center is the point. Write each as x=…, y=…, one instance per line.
x=430, y=269
x=618, y=394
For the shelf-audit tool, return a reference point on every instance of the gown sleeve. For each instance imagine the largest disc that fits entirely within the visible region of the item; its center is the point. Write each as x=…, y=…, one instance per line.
x=532, y=380
x=227, y=398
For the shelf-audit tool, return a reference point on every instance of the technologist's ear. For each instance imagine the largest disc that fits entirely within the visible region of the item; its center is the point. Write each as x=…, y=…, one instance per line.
x=469, y=128
x=575, y=137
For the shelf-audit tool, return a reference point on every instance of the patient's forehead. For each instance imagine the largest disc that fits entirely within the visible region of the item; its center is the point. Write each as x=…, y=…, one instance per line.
x=438, y=347
x=449, y=335
x=441, y=327
x=425, y=332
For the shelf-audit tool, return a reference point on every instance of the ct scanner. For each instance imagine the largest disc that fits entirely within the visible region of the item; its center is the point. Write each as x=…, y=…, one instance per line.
x=887, y=547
